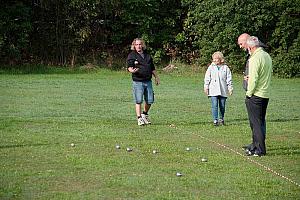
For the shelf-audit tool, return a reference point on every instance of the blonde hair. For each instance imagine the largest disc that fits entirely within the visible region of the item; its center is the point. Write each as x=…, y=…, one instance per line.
x=219, y=55
x=138, y=39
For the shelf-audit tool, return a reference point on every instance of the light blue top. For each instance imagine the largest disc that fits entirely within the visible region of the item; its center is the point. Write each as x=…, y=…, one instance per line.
x=218, y=80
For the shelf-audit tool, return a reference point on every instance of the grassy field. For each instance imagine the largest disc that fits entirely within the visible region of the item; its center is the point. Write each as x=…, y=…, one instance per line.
x=42, y=114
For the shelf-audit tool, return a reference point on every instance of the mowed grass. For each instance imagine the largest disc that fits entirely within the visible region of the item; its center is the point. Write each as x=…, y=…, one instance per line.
x=42, y=114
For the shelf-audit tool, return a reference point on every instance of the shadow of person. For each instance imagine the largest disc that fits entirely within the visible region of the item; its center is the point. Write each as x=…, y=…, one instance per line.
x=287, y=150
x=22, y=145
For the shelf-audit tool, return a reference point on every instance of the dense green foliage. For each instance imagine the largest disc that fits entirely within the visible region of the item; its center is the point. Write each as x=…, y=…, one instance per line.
x=70, y=32
x=215, y=25
x=286, y=40
x=15, y=28
x=41, y=115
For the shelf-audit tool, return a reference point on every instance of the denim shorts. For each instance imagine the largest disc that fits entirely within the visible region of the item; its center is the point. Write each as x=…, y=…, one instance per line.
x=143, y=89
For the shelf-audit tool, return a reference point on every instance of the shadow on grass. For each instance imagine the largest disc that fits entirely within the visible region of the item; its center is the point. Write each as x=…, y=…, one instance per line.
x=283, y=120
x=45, y=69
x=23, y=145
x=203, y=122
x=246, y=121
x=49, y=69
x=275, y=151
x=227, y=122
x=235, y=121
x=239, y=121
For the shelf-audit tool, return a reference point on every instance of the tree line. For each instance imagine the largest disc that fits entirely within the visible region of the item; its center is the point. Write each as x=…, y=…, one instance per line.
x=76, y=32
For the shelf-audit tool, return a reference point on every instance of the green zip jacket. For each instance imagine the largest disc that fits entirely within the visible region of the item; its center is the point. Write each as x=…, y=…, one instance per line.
x=260, y=72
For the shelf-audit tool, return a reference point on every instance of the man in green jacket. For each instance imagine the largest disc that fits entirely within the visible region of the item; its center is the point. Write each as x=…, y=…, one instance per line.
x=257, y=95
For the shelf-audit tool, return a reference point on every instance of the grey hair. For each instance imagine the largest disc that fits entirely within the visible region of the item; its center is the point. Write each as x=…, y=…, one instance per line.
x=139, y=39
x=253, y=41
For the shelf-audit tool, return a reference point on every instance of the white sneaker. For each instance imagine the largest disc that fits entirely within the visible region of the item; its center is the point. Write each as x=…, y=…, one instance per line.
x=146, y=119
x=141, y=122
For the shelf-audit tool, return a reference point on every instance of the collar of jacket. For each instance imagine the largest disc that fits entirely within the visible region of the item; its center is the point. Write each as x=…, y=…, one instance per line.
x=257, y=50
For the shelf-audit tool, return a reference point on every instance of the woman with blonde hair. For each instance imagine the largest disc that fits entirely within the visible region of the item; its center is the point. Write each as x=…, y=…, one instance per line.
x=217, y=84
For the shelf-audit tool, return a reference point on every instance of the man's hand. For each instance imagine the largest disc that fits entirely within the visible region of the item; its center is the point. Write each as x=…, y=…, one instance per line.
x=157, y=80
x=132, y=70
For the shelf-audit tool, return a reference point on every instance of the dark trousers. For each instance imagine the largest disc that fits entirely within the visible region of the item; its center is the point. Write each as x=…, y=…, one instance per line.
x=257, y=108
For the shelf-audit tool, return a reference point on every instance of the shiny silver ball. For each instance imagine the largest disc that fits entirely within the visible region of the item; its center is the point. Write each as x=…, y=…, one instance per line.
x=178, y=174
x=128, y=149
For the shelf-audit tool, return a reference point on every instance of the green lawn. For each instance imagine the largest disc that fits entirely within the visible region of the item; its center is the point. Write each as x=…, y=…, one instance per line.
x=42, y=114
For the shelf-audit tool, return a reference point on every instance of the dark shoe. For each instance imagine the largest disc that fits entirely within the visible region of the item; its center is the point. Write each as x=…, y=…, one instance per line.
x=221, y=122
x=255, y=153
x=248, y=152
x=248, y=147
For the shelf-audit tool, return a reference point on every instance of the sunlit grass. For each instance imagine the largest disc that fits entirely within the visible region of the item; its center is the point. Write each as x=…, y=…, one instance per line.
x=42, y=114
